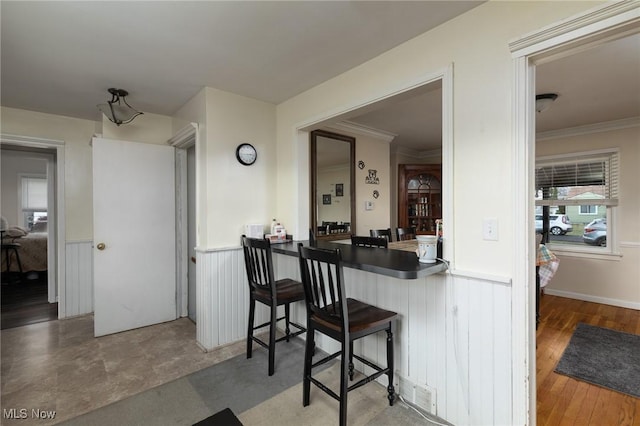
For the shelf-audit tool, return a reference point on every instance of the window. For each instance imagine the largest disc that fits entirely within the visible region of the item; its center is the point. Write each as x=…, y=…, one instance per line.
x=33, y=196
x=581, y=192
x=588, y=209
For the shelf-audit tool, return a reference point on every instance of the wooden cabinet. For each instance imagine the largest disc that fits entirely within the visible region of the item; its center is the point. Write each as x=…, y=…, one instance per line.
x=419, y=196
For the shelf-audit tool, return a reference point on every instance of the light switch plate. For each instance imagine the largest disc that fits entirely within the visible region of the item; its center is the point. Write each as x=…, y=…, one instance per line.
x=490, y=229
x=368, y=205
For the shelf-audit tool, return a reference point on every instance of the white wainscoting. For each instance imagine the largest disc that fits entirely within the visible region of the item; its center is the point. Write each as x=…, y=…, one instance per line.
x=78, y=285
x=453, y=335
x=222, y=309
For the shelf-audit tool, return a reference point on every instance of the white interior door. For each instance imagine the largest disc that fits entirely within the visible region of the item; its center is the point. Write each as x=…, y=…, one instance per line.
x=134, y=235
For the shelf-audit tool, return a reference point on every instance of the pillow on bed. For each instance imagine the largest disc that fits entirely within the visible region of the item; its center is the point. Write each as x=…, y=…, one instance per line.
x=16, y=232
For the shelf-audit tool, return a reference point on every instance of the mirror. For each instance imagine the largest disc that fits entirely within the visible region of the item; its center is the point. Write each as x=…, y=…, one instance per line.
x=332, y=185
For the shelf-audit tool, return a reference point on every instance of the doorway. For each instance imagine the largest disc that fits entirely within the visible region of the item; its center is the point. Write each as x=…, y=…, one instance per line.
x=594, y=27
x=29, y=290
x=186, y=143
x=422, y=135
x=191, y=231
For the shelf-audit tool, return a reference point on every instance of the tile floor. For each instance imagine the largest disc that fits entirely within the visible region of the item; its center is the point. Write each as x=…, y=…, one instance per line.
x=60, y=366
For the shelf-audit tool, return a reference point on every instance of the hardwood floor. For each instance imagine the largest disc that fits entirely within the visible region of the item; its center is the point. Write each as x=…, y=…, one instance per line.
x=566, y=401
x=25, y=302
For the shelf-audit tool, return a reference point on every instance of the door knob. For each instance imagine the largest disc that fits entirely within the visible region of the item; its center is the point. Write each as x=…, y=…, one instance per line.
x=100, y=246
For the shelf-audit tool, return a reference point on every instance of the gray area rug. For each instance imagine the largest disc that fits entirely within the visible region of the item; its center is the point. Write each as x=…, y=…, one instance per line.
x=603, y=357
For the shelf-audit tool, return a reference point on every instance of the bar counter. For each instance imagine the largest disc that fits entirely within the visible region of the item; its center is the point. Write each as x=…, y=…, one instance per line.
x=390, y=262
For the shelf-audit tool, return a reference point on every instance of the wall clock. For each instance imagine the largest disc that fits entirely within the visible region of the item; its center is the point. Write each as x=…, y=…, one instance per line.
x=246, y=154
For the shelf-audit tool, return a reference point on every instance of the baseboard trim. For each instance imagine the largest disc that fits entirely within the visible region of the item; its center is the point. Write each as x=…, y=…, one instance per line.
x=595, y=299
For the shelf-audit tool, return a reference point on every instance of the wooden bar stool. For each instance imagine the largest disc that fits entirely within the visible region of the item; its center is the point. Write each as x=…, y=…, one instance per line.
x=405, y=234
x=379, y=242
x=265, y=289
x=330, y=312
x=385, y=233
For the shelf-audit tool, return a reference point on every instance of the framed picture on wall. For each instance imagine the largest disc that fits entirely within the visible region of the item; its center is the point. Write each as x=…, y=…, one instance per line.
x=339, y=190
x=326, y=198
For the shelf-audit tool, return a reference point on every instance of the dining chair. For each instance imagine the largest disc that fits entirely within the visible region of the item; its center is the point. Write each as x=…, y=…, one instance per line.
x=406, y=233
x=386, y=233
x=360, y=241
x=332, y=313
x=265, y=289
x=336, y=229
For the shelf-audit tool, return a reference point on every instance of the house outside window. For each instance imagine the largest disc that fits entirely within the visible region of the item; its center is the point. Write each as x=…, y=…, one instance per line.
x=33, y=202
x=580, y=190
x=588, y=209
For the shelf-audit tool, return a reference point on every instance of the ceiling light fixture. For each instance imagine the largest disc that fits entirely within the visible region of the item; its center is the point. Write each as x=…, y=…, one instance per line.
x=544, y=101
x=117, y=109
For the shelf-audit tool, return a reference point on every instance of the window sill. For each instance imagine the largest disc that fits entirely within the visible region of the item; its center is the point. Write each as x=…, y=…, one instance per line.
x=588, y=253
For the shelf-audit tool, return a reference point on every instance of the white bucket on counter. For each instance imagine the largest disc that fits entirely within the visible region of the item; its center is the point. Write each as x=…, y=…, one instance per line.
x=427, y=248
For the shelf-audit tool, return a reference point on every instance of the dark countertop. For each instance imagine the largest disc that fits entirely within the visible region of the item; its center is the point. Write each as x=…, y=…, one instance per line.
x=393, y=263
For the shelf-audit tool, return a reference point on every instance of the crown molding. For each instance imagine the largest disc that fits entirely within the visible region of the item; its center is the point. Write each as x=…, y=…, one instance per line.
x=606, y=126
x=185, y=137
x=349, y=126
x=523, y=44
x=418, y=154
x=28, y=140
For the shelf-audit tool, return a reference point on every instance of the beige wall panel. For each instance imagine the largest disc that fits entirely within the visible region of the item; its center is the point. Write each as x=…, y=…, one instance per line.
x=476, y=43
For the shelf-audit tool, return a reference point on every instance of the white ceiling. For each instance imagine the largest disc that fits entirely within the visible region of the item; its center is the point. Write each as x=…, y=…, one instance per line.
x=60, y=58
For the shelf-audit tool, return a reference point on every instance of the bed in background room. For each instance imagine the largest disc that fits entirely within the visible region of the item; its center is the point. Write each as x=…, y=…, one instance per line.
x=33, y=249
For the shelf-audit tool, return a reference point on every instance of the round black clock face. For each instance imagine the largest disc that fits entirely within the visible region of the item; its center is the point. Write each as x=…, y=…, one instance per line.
x=246, y=154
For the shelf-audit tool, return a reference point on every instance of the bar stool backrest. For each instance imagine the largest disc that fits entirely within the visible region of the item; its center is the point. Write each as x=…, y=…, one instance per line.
x=259, y=264
x=405, y=234
x=323, y=282
x=386, y=233
x=379, y=242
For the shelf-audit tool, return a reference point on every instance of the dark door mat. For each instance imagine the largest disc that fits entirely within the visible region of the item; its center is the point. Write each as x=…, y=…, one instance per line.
x=603, y=357
x=221, y=418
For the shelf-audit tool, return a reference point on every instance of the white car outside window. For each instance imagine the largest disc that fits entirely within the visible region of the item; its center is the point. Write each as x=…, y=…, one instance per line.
x=559, y=224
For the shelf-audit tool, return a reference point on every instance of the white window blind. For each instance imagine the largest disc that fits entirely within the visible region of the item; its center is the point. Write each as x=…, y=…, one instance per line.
x=578, y=180
x=34, y=193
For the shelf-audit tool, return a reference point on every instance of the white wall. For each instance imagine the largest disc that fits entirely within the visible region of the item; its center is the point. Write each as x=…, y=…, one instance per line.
x=76, y=135
x=615, y=279
x=237, y=195
x=15, y=163
x=375, y=155
x=482, y=115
